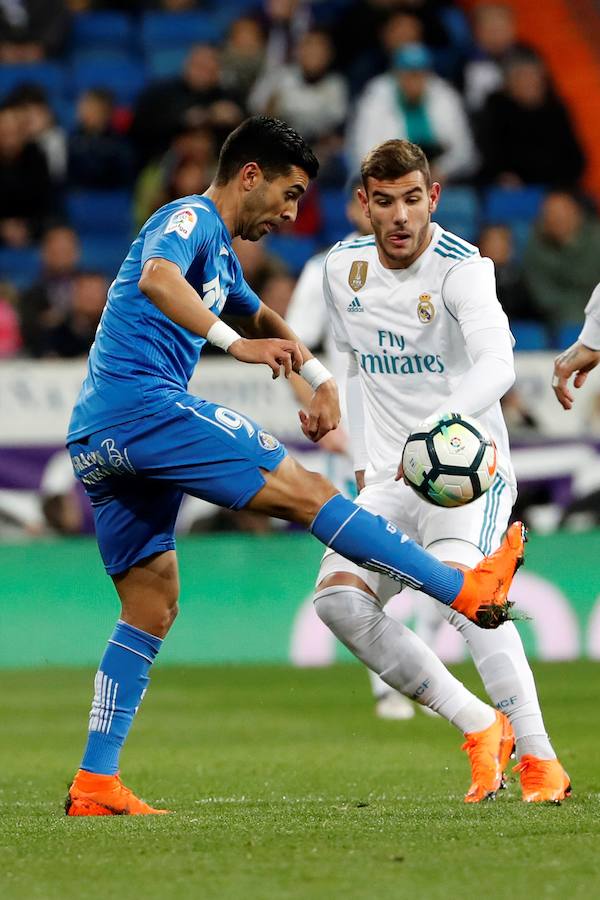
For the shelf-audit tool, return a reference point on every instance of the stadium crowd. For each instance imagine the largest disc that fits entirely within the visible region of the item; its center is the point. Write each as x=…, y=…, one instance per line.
x=110, y=109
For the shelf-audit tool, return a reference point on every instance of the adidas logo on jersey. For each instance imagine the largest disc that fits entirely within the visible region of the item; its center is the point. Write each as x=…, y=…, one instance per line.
x=355, y=306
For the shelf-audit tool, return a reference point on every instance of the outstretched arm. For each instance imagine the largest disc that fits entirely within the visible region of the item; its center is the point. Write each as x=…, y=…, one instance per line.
x=581, y=357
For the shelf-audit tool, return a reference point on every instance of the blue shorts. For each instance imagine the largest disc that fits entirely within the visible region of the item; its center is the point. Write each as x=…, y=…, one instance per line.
x=136, y=474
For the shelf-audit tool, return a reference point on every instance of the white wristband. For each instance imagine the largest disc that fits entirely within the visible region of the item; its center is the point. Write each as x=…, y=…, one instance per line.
x=315, y=373
x=221, y=335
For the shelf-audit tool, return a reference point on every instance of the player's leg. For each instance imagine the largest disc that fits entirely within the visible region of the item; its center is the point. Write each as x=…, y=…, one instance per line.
x=346, y=602
x=134, y=527
x=291, y=492
x=499, y=656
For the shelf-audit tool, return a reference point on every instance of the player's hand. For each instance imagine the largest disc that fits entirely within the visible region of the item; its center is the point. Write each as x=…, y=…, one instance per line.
x=400, y=474
x=277, y=353
x=323, y=414
x=576, y=359
x=335, y=441
x=359, y=476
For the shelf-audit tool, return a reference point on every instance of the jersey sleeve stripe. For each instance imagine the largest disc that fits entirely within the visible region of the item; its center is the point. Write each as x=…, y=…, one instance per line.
x=460, y=244
x=451, y=249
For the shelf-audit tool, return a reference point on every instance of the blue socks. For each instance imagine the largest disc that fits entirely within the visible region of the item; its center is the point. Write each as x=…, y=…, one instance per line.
x=119, y=686
x=374, y=543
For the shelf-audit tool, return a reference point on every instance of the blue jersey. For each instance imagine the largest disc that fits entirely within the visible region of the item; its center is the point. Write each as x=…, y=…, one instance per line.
x=140, y=358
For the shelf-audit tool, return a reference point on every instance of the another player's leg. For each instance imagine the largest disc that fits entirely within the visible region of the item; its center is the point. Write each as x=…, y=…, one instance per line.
x=346, y=602
x=502, y=664
x=148, y=592
x=290, y=492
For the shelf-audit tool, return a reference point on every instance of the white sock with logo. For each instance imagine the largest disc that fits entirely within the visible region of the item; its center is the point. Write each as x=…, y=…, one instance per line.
x=399, y=657
x=501, y=662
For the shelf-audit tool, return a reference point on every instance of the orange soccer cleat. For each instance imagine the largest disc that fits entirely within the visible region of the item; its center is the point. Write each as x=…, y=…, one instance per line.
x=484, y=595
x=489, y=751
x=104, y=795
x=543, y=780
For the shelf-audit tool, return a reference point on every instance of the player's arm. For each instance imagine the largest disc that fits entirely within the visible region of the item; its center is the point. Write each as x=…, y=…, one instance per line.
x=164, y=285
x=469, y=294
x=323, y=413
x=356, y=421
x=581, y=357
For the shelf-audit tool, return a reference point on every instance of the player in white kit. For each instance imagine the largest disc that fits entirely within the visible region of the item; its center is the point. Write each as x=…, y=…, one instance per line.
x=308, y=317
x=415, y=309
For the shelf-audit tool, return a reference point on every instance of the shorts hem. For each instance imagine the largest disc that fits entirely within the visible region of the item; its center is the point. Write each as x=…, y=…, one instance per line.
x=148, y=550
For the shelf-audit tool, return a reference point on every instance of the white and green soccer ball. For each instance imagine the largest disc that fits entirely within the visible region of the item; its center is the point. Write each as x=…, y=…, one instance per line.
x=449, y=461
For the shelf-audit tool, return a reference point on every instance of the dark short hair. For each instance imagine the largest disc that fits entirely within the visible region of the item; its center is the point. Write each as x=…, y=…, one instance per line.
x=392, y=160
x=270, y=143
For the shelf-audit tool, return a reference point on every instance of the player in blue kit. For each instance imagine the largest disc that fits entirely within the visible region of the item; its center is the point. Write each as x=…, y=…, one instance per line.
x=139, y=441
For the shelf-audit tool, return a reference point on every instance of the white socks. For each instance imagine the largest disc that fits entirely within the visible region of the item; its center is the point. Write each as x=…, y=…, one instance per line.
x=399, y=657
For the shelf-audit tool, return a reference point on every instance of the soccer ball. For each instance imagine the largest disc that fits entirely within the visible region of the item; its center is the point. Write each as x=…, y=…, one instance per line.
x=449, y=461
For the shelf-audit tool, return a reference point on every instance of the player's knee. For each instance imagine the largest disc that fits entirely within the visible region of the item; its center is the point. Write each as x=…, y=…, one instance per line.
x=342, y=605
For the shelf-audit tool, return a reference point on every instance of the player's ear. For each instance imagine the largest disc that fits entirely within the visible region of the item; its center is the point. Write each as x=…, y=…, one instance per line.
x=250, y=175
x=434, y=196
x=364, y=202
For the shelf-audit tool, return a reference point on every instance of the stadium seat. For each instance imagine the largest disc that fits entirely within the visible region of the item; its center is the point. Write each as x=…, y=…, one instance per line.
x=165, y=62
x=20, y=265
x=100, y=212
x=458, y=211
x=293, y=250
x=335, y=224
x=567, y=334
x=504, y=206
x=103, y=29
x=162, y=30
x=114, y=71
x=48, y=75
x=529, y=335
x=104, y=254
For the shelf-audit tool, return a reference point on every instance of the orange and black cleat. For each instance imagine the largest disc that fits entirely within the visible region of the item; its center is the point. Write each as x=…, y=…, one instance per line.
x=483, y=597
x=489, y=751
x=543, y=780
x=104, y=795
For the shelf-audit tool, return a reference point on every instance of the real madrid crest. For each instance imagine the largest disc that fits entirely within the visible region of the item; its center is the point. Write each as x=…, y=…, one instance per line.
x=358, y=274
x=425, y=309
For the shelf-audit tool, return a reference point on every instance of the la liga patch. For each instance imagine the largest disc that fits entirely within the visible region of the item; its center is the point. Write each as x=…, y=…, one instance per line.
x=267, y=441
x=183, y=221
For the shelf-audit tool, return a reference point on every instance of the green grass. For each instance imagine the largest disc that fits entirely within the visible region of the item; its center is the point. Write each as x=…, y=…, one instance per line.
x=284, y=785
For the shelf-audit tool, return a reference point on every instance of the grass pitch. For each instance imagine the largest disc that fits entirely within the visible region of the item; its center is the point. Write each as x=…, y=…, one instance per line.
x=284, y=785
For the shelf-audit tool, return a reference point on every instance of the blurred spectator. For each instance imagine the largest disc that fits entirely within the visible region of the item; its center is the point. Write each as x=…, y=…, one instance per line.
x=285, y=21
x=257, y=264
x=308, y=94
x=31, y=30
x=193, y=99
x=10, y=332
x=494, y=31
x=48, y=301
x=25, y=185
x=99, y=157
x=411, y=102
x=243, y=55
x=276, y=292
x=366, y=32
x=39, y=124
x=562, y=260
x=74, y=334
x=524, y=132
x=496, y=242
x=195, y=146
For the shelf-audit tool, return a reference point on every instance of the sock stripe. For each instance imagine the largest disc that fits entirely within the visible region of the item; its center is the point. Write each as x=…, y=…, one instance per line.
x=343, y=525
x=113, y=703
x=131, y=650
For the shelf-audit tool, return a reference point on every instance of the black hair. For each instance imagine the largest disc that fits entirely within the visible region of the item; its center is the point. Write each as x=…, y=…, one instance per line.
x=270, y=143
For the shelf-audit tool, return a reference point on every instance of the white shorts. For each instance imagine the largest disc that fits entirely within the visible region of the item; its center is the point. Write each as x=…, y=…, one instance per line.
x=468, y=532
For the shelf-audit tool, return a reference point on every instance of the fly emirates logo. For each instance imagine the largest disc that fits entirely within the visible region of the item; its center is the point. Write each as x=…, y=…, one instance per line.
x=390, y=358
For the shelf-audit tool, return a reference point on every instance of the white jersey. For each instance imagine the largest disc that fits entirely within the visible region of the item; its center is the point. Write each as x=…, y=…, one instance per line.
x=406, y=329
x=590, y=334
